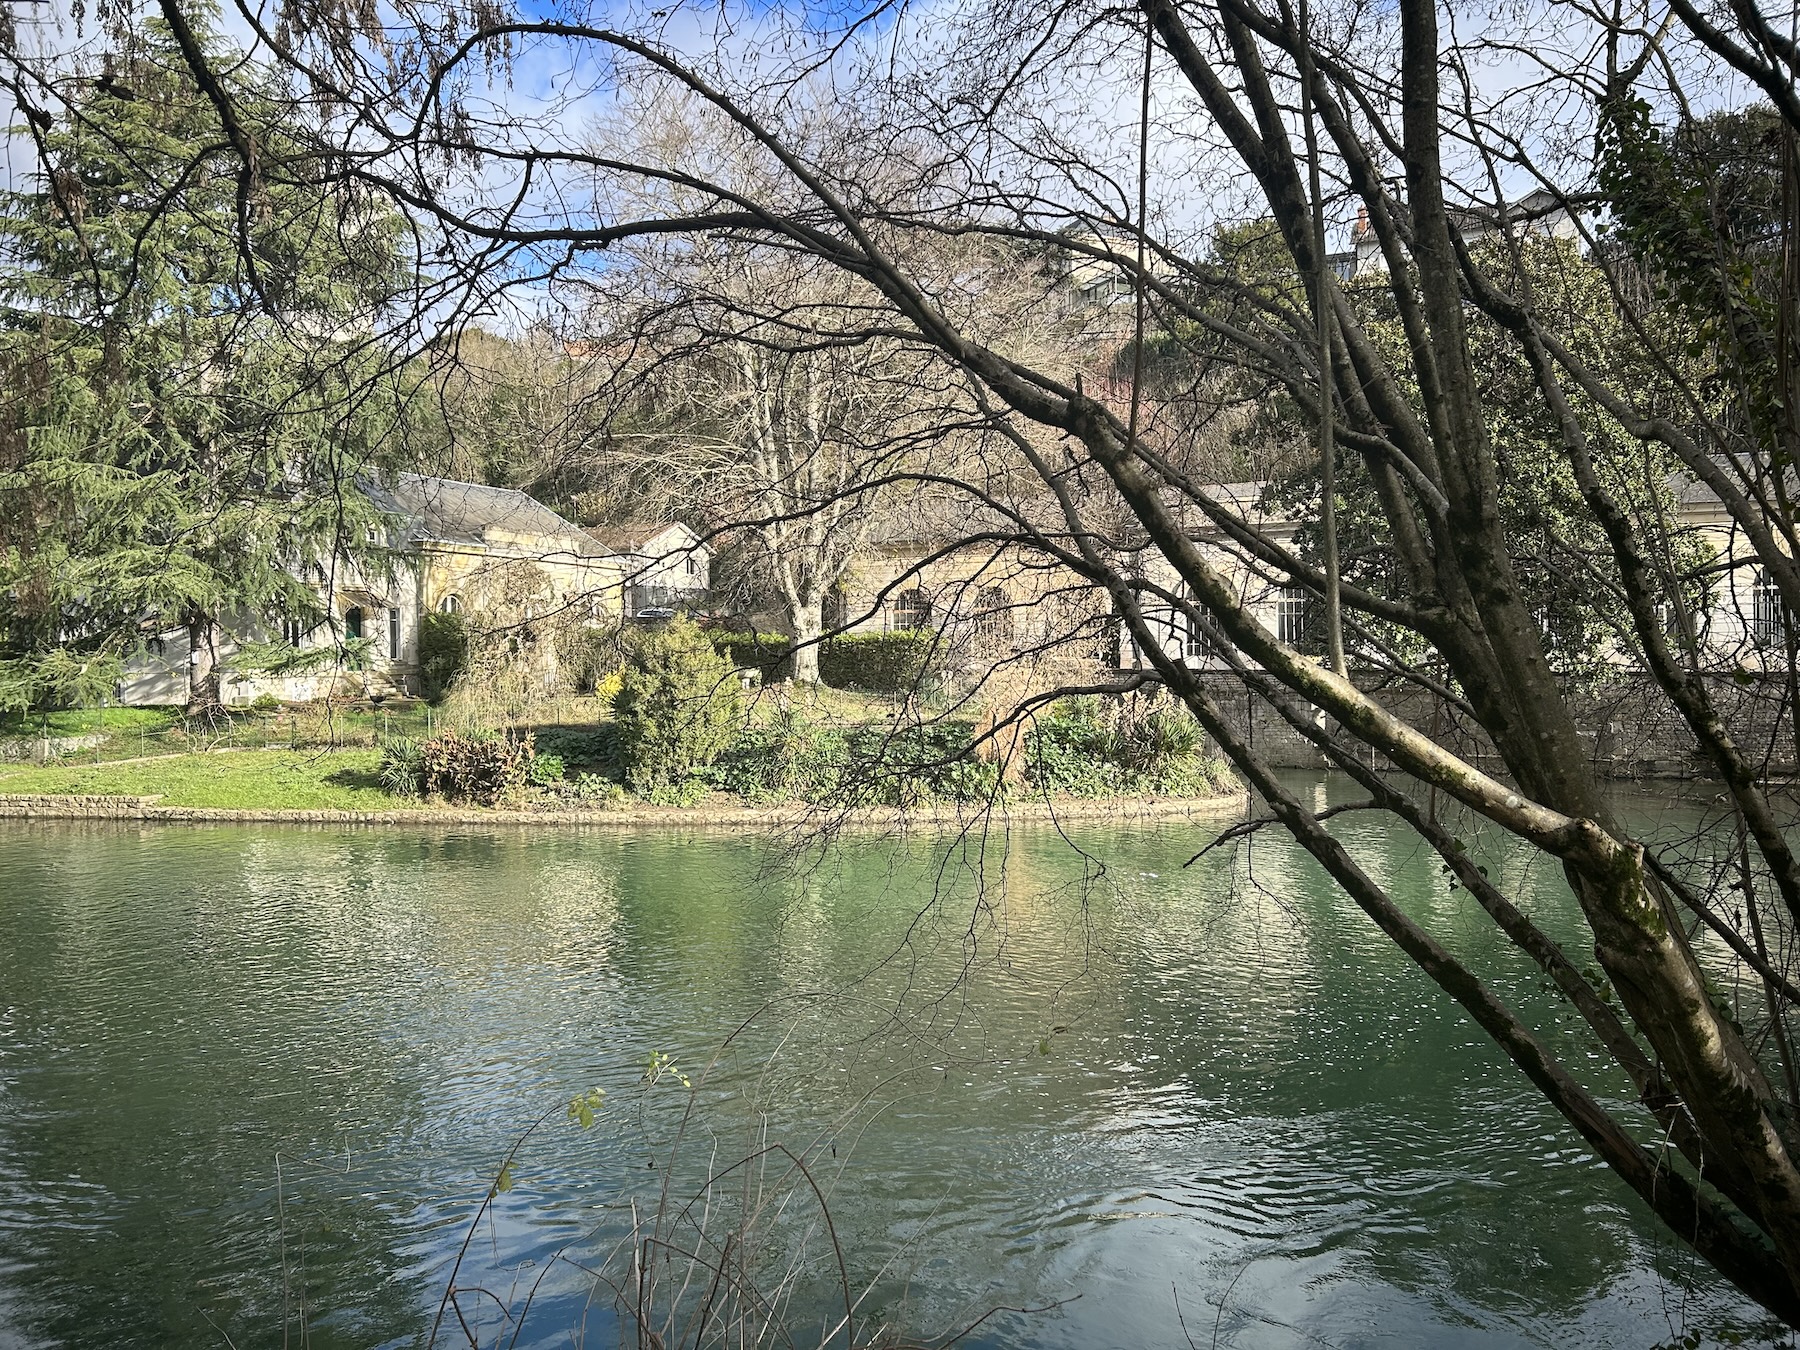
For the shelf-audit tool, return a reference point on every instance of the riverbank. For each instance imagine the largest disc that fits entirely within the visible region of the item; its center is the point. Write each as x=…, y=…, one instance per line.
x=342, y=780
x=340, y=787
x=26, y=806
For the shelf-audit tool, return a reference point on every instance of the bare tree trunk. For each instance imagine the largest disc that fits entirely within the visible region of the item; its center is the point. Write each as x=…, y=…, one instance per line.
x=807, y=618
x=204, y=696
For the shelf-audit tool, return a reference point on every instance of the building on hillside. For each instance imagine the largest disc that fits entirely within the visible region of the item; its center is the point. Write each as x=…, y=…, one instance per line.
x=1539, y=214
x=1104, y=280
x=508, y=562
x=1740, y=624
x=1281, y=607
x=989, y=598
x=666, y=565
x=986, y=599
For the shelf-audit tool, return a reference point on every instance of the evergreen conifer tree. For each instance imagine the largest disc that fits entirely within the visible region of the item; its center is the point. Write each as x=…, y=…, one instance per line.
x=193, y=380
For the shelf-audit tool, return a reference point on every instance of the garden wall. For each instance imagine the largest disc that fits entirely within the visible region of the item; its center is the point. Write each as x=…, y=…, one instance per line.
x=1631, y=728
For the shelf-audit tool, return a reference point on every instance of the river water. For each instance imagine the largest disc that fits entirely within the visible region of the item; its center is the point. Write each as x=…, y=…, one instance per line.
x=255, y=1082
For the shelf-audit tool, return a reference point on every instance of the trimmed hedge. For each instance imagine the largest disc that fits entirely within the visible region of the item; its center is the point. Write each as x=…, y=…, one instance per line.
x=764, y=652
x=881, y=663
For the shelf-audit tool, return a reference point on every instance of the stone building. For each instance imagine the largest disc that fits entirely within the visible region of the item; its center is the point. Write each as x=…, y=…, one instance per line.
x=509, y=562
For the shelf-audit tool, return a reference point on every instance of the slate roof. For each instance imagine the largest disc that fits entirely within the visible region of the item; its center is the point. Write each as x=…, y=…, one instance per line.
x=939, y=518
x=446, y=511
x=629, y=536
x=1691, y=492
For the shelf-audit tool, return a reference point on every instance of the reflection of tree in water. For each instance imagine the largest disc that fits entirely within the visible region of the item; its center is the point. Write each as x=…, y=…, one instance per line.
x=1012, y=1074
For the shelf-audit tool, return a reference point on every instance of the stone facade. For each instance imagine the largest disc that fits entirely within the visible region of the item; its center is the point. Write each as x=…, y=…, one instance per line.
x=508, y=562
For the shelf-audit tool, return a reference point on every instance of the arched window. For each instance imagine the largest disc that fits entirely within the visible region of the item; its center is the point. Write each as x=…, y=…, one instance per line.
x=450, y=604
x=353, y=622
x=912, y=609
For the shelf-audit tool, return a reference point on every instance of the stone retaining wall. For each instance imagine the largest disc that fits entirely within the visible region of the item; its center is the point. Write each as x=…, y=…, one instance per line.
x=1632, y=729
x=46, y=807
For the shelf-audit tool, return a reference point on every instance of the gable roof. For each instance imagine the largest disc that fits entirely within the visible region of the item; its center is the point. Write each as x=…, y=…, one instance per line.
x=446, y=511
x=636, y=536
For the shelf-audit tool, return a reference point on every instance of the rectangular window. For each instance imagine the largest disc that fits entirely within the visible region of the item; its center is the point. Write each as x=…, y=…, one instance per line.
x=1200, y=648
x=393, y=635
x=1768, y=617
x=1290, y=615
x=293, y=631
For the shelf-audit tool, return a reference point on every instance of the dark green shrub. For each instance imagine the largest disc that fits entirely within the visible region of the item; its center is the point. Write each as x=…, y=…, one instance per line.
x=475, y=767
x=677, y=707
x=915, y=765
x=765, y=653
x=1084, y=748
x=882, y=663
x=788, y=760
x=443, y=652
x=266, y=703
x=402, y=768
x=589, y=749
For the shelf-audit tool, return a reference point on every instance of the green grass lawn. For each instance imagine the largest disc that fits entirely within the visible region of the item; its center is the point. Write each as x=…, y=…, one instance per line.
x=81, y=721
x=298, y=779
x=231, y=766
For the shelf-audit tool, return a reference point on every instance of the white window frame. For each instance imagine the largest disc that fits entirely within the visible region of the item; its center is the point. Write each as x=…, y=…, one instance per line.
x=1290, y=615
x=1768, y=616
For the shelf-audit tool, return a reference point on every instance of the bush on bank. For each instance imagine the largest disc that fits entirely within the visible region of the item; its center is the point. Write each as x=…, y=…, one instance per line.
x=794, y=759
x=677, y=708
x=485, y=768
x=1079, y=748
x=1083, y=747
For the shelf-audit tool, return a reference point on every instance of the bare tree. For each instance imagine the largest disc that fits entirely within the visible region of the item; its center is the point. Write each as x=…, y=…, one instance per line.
x=759, y=399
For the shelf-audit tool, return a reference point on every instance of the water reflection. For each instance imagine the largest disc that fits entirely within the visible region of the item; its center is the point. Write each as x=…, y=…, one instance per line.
x=256, y=1076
